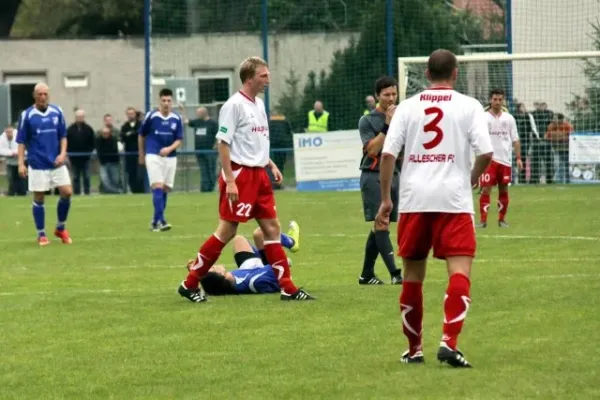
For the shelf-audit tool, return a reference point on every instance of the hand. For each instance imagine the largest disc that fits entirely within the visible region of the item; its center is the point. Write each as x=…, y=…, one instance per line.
x=519, y=164
x=231, y=191
x=389, y=113
x=180, y=107
x=14, y=154
x=60, y=160
x=474, y=182
x=382, y=219
x=277, y=175
x=165, y=151
x=141, y=159
x=22, y=170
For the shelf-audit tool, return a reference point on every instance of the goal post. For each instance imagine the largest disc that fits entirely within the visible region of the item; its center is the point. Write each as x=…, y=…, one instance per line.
x=561, y=86
x=492, y=69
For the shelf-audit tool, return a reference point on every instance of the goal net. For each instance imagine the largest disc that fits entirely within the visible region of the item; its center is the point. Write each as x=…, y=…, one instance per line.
x=545, y=85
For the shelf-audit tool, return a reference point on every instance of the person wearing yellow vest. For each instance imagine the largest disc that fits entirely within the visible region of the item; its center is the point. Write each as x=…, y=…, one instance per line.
x=370, y=103
x=318, y=119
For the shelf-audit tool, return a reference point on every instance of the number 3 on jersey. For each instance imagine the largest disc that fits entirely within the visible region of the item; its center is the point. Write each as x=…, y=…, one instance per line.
x=433, y=127
x=243, y=210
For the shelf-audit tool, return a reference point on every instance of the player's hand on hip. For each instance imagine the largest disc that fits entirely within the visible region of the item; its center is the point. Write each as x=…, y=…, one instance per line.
x=22, y=171
x=165, y=151
x=60, y=160
x=277, y=175
x=231, y=191
x=389, y=113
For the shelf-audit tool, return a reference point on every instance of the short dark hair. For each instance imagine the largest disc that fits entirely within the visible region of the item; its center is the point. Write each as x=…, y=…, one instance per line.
x=216, y=284
x=384, y=82
x=165, y=92
x=441, y=64
x=497, y=91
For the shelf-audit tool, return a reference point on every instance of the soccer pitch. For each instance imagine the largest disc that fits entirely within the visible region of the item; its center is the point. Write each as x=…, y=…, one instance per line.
x=101, y=318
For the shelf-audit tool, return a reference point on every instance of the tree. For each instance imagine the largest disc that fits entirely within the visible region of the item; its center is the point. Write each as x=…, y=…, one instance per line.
x=420, y=26
x=585, y=108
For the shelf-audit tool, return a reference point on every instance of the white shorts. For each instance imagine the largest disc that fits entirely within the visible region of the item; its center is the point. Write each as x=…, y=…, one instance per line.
x=42, y=180
x=161, y=169
x=252, y=263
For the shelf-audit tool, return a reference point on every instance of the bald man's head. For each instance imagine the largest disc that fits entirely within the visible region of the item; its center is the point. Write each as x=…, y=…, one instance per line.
x=40, y=95
x=202, y=113
x=442, y=66
x=79, y=116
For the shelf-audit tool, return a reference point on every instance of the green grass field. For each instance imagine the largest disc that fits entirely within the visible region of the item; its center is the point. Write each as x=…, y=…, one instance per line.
x=101, y=319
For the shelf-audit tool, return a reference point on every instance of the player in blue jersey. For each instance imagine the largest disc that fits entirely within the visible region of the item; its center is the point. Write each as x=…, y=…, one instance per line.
x=254, y=275
x=159, y=136
x=43, y=134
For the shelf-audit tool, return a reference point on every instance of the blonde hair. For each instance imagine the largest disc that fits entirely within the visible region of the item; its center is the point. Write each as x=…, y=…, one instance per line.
x=249, y=66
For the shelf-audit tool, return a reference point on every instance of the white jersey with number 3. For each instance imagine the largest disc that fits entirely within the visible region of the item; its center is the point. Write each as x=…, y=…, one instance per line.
x=244, y=126
x=503, y=132
x=438, y=128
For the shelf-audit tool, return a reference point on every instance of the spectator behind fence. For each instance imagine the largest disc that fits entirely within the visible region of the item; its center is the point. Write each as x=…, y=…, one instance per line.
x=205, y=133
x=371, y=103
x=8, y=149
x=558, y=135
x=318, y=119
x=80, y=139
x=585, y=119
x=107, y=149
x=541, y=156
x=129, y=138
x=528, y=134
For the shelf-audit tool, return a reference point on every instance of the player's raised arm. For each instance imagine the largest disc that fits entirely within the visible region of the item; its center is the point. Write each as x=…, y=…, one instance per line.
x=479, y=138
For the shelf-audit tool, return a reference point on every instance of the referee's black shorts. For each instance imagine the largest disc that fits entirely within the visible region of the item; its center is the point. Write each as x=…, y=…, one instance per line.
x=371, y=195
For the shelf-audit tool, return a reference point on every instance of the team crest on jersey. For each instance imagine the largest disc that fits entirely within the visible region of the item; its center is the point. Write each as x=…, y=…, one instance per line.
x=173, y=126
x=55, y=120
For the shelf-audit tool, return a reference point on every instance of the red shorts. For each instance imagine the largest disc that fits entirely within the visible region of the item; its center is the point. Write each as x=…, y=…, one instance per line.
x=256, y=199
x=496, y=173
x=448, y=234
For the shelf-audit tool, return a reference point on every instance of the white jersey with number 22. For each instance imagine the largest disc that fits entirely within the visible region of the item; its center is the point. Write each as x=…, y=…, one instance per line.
x=438, y=128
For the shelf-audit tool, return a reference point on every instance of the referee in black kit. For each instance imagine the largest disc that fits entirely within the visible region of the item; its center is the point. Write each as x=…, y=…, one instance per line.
x=373, y=128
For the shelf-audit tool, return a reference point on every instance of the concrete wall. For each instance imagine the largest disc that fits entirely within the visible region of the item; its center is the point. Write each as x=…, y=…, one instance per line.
x=116, y=67
x=551, y=26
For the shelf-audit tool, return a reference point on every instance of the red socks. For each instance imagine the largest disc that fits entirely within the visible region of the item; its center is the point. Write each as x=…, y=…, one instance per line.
x=484, y=205
x=279, y=262
x=502, y=205
x=411, y=308
x=207, y=256
x=456, y=305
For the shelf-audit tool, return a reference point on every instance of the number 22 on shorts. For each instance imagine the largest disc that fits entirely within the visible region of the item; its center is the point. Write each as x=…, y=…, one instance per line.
x=433, y=127
x=243, y=209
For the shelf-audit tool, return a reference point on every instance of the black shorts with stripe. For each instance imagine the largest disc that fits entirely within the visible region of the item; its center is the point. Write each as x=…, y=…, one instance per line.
x=370, y=189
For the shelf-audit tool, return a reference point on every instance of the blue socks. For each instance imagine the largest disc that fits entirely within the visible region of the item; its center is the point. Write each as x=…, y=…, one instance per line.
x=62, y=211
x=39, y=217
x=164, y=206
x=158, y=199
x=287, y=241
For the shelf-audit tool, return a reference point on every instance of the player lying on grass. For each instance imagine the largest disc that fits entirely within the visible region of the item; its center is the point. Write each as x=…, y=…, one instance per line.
x=253, y=274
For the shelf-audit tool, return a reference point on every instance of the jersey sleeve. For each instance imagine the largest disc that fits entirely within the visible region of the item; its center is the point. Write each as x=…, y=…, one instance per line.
x=366, y=131
x=396, y=136
x=179, y=130
x=62, y=125
x=479, y=134
x=146, y=125
x=514, y=134
x=228, y=116
x=22, y=128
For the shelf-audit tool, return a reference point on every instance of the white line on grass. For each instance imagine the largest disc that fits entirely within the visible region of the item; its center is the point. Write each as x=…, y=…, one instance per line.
x=200, y=237
x=139, y=290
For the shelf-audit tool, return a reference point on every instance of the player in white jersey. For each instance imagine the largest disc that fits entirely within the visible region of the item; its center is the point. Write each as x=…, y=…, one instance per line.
x=244, y=185
x=504, y=135
x=437, y=129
